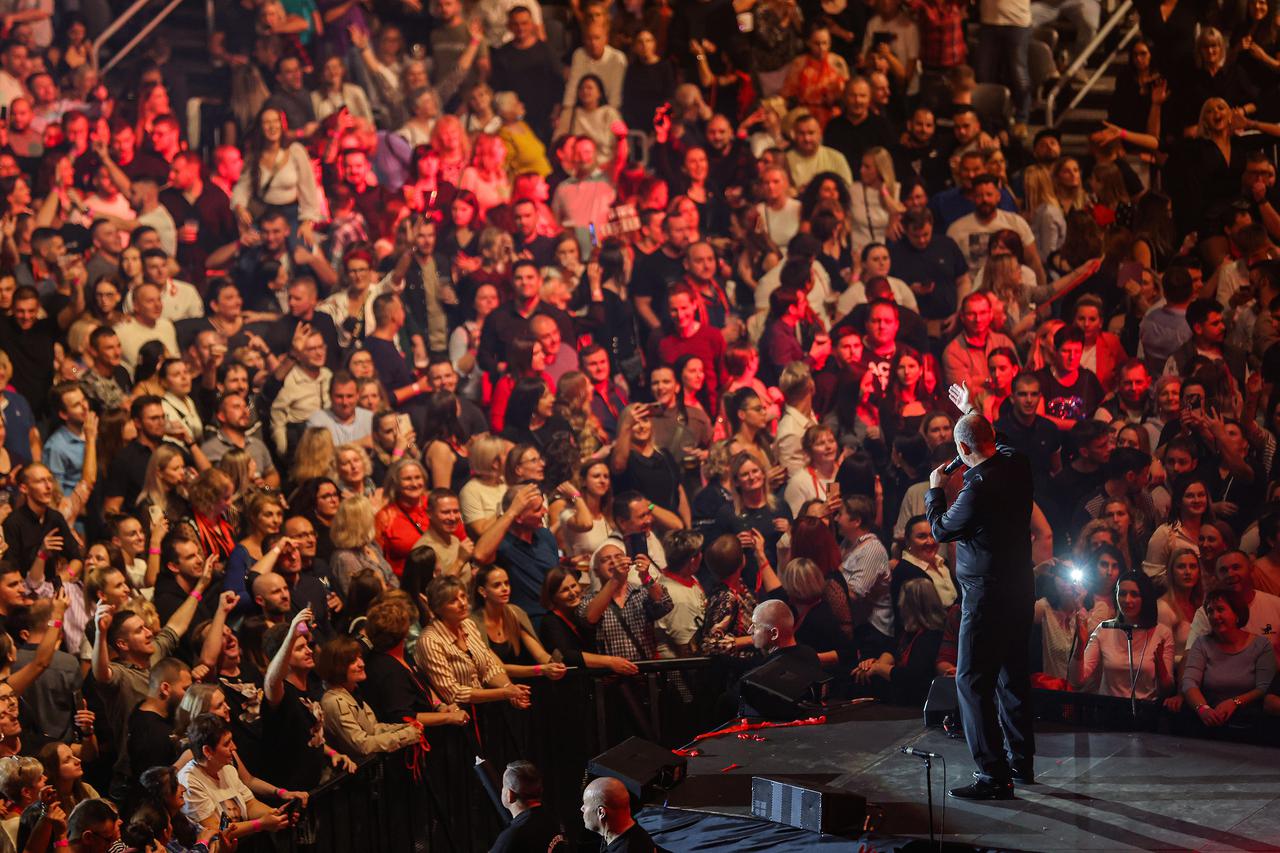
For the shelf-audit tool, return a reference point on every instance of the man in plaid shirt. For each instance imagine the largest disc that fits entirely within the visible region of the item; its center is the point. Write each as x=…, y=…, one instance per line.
x=624, y=613
x=942, y=44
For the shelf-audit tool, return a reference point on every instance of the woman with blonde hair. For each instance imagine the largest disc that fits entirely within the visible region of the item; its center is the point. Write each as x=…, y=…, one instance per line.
x=163, y=490
x=21, y=780
x=486, y=177
x=1185, y=594
x=768, y=123
x=803, y=588
x=449, y=140
x=401, y=522
x=263, y=517
x=1068, y=186
x=875, y=212
x=355, y=545
x=481, y=497
x=905, y=677
x=354, y=473
x=315, y=456
x=573, y=403
x=1048, y=222
x=242, y=469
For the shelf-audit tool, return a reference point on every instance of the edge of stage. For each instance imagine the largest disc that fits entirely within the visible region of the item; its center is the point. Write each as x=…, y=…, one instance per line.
x=1096, y=790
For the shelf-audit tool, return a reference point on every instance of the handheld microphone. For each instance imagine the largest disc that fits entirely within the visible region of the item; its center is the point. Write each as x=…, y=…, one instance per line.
x=953, y=465
x=918, y=753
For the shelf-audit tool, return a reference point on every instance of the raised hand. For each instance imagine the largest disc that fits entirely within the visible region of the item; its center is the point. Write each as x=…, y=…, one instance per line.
x=958, y=394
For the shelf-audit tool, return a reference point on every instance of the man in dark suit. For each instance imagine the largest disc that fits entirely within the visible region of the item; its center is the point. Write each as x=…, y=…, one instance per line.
x=532, y=826
x=989, y=521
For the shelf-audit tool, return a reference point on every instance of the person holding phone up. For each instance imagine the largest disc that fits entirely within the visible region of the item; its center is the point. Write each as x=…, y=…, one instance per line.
x=624, y=613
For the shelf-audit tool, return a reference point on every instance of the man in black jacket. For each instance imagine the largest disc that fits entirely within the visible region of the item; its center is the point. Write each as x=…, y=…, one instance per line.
x=990, y=521
x=533, y=826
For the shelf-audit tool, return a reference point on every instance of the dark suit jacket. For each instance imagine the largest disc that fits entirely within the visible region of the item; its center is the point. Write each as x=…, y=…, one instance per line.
x=990, y=523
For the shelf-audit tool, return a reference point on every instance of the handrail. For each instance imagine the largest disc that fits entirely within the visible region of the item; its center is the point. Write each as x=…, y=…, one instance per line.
x=114, y=27
x=1121, y=12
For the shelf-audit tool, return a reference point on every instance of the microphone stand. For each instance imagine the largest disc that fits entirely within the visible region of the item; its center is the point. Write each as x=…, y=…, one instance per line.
x=1133, y=679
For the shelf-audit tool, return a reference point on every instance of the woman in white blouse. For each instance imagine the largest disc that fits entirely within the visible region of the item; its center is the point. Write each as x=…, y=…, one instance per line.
x=459, y=662
x=1189, y=509
x=1106, y=667
x=277, y=173
x=874, y=208
x=335, y=93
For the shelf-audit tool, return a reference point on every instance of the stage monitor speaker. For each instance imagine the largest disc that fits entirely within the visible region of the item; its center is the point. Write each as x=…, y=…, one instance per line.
x=646, y=768
x=781, y=688
x=818, y=808
x=942, y=701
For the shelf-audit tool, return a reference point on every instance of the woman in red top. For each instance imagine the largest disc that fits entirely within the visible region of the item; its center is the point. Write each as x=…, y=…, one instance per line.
x=525, y=357
x=401, y=523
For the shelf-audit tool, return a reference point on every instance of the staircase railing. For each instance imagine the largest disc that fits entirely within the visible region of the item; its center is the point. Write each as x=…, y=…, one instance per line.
x=1118, y=17
x=125, y=17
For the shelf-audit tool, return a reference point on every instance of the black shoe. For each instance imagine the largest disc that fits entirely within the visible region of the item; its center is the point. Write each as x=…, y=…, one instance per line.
x=981, y=790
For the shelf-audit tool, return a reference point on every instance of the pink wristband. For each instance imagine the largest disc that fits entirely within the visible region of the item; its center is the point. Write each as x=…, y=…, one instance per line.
x=197, y=595
x=281, y=792
x=155, y=551
x=257, y=824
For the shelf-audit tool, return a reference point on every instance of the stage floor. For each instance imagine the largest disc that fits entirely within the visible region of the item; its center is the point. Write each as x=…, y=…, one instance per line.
x=1096, y=790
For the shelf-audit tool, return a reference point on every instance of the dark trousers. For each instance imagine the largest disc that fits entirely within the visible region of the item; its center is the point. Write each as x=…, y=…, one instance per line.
x=993, y=682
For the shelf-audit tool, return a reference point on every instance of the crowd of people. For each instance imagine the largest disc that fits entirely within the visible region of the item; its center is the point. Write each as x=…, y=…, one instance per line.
x=458, y=344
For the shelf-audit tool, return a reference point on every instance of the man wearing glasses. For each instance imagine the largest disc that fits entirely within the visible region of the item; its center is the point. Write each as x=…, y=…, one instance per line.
x=93, y=827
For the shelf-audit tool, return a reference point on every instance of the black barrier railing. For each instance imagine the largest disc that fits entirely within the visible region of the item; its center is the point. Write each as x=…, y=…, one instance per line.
x=1249, y=724
x=392, y=803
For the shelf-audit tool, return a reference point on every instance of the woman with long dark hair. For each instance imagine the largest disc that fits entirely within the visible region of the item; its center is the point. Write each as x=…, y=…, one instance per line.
x=1146, y=672
x=461, y=234
x=526, y=359
x=444, y=442
x=593, y=117
x=277, y=174
x=531, y=414
x=1191, y=507
x=906, y=401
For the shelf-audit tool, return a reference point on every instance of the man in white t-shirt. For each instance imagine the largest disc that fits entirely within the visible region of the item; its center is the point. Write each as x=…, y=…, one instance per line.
x=181, y=300
x=147, y=323
x=676, y=630
x=1234, y=572
x=973, y=232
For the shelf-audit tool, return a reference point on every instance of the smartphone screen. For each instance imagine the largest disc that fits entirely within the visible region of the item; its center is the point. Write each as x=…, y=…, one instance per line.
x=637, y=544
